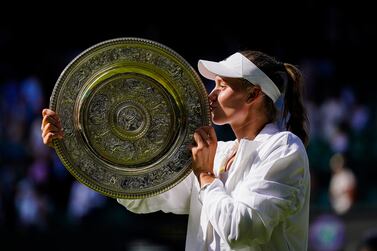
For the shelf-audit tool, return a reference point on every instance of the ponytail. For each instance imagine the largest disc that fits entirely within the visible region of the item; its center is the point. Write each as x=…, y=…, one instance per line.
x=294, y=110
x=290, y=82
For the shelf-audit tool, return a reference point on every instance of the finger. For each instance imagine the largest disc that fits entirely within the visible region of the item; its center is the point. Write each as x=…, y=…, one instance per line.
x=48, y=112
x=50, y=128
x=206, y=128
x=51, y=135
x=50, y=119
x=47, y=140
x=204, y=135
x=47, y=119
x=210, y=132
x=51, y=113
x=198, y=140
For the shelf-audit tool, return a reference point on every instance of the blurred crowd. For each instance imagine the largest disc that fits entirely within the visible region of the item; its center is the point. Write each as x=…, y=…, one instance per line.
x=33, y=183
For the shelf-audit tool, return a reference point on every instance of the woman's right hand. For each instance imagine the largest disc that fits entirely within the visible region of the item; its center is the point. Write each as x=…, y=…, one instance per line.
x=51, y=127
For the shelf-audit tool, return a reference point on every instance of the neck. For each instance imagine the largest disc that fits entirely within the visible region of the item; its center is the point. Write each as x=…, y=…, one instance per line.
x=250, y=128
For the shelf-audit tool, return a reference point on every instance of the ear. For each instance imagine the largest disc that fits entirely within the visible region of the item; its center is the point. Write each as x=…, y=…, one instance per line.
x=252, y=93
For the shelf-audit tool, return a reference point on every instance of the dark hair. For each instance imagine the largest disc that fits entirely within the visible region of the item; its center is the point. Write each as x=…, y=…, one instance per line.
x=289, y=80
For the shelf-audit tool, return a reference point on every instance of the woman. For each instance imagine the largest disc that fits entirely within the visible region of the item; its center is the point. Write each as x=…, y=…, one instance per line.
x=251, y=193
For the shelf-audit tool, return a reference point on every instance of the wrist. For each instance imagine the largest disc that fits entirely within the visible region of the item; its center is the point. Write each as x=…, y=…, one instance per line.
x=199, y=174
x=205, y=174
x=206, y=178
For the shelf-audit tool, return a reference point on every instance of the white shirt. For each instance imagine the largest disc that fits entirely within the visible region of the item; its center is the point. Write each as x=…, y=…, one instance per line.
x=342, y=186
x=263, y=205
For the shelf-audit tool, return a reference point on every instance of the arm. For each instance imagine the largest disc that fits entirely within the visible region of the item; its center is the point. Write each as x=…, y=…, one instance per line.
x=264, y=199
x=175, y=200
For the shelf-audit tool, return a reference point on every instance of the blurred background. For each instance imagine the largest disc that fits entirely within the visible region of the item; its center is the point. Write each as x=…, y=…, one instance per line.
x=41, y=204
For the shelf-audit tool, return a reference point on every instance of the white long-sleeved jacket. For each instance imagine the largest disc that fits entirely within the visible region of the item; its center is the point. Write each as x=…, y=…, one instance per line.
x=263, y=205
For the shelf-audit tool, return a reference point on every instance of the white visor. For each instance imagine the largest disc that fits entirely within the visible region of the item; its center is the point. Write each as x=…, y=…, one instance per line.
x=238, y=66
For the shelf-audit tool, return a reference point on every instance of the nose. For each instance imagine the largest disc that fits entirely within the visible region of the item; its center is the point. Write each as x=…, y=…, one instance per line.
x=212, y=97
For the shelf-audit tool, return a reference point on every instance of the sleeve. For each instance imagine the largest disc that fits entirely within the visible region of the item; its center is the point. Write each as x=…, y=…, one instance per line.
x=264, y=199
x=175, y=200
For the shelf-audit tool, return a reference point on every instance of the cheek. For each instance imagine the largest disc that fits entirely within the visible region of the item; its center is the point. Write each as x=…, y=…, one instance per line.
x=230, y=100
x=224, y=98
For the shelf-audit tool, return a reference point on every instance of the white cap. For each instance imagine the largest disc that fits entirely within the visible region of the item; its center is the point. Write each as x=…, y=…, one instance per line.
x=239, y=66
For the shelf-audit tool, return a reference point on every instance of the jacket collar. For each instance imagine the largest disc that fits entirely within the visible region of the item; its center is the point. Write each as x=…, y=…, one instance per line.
x=267, y=131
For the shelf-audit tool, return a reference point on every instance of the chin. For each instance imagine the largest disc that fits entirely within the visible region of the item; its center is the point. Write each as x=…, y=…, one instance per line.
x=218, y=121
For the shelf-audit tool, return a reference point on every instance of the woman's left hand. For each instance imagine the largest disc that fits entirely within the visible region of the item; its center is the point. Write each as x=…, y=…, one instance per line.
x=203, y=154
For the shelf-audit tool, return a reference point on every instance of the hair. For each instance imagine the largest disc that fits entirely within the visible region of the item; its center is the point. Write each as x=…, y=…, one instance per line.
x=289, y=80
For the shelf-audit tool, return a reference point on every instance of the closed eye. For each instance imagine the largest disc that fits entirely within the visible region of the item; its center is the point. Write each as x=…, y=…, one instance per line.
x=222, y=86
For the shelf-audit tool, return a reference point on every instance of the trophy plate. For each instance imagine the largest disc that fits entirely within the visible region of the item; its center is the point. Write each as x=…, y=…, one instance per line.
x=129, y=108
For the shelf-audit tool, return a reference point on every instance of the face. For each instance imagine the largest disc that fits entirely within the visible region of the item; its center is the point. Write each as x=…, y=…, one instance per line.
x=228, y=101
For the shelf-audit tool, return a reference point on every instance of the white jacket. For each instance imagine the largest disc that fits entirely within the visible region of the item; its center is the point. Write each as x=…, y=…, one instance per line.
x=263, y=205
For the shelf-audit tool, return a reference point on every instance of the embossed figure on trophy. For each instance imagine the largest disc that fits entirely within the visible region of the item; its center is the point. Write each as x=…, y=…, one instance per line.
x=176, y=72
x=98, y=109
x=130, y=119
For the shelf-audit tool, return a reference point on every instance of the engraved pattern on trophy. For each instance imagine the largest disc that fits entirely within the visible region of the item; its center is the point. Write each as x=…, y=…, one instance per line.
x=126, y=124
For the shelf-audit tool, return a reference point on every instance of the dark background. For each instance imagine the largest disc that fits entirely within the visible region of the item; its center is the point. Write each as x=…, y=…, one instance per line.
x=333, y=44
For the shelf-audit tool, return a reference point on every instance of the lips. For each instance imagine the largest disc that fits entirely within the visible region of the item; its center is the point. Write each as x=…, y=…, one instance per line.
x=212, y=107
